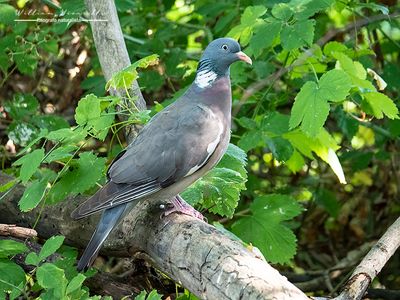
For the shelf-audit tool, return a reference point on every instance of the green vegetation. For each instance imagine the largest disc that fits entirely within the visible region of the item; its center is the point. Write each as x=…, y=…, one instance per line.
x=312, y=171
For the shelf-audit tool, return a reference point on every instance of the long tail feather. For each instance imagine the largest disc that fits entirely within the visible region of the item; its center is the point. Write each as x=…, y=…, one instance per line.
x=108, y=221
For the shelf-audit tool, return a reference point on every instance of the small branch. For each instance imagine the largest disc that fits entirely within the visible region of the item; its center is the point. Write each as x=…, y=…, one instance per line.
x=17, y=232
x=372, y=264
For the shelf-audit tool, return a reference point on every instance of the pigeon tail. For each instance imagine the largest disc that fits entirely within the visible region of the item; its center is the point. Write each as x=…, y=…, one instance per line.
x=108, y=221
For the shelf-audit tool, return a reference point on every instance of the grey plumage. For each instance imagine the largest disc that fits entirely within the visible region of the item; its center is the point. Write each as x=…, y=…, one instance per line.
x=178, y=146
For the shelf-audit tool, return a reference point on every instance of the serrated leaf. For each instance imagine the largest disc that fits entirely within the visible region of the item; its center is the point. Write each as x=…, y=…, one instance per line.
x=51, y=246
x=379, y=104
x=311, y=106
x=51, y=277
x=83, y=174
x=29, y=164
x=297, y=35
x=263, y=228
x=11, y=247
x=88, y=109
x=334, y=85
x=276, y=207
x=60, y=153
x=309, y=109
x=264, y=36
x=126, y=77
x=32, y=196
x=219, y=190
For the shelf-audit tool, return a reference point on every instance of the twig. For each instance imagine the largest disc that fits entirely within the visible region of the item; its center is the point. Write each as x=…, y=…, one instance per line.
x=16, y=231
x=372, y=264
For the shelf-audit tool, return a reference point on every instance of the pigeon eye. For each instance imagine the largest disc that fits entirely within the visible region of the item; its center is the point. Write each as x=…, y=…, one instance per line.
x=225, y=47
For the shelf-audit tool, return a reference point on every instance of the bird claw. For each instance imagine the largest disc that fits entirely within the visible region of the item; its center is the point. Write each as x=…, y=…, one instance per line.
x=179, y=205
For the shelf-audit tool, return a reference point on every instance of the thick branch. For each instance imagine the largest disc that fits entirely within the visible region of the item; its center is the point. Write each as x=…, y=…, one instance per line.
x=204, y=260
x=372, y=264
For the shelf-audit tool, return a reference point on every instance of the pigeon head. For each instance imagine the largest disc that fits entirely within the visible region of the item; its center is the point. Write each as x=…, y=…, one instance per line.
x=220, y=54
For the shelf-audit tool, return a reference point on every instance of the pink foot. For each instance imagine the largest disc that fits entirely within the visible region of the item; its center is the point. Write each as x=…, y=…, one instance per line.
x=179, y=205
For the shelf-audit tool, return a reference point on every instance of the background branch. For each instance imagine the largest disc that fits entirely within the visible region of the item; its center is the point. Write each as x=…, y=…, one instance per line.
x=372, y=264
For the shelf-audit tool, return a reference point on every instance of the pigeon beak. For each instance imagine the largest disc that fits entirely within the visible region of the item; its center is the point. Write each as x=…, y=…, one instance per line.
x=242, y=56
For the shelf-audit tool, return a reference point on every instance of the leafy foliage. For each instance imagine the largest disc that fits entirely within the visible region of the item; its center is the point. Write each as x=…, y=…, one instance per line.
x=318, y=121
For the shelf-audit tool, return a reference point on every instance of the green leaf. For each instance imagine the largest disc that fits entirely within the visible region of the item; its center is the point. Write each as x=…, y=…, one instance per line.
x=87, y=110
x=251, y=140
x=249, y=19
x=323, y=145
x=335, y=85
x=29, y=164
x=305, y=9
x=75, y=283
x=7, y=14
x=32, y=259
x=282, y=11
x=264, y=229
x=11, y=247
x=22, y=133
x=26, y=63
x=32, y=196
x=153, y=295
x=251, y=14
x=379, y=104
x=309, y=109
x=60, y=153
x=263, y=37
x=11, y=275
x=311, y=106
x=275, y=124
x=219, y=190
x=328, y=201
x=51, y=277
x=51, y=246
x=126, y=77
x=21, y=106
x=8, y=185
x=281, y=148
x=296, y=162
x=82, y=175
x=297, y=35
x=67, y=135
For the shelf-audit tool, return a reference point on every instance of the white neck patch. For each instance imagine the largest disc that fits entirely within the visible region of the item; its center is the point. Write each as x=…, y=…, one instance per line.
x=205, y=78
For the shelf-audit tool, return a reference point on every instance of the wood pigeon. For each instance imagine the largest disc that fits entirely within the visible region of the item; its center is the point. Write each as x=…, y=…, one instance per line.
x=174, y=149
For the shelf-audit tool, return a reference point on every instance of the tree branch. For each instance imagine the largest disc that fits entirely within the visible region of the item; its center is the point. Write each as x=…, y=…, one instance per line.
x=372, y=264
x=193, y=253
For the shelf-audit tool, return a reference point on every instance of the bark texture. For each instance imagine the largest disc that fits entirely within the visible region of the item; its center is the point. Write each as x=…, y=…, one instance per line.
x=190, y=251
x=372, y=264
